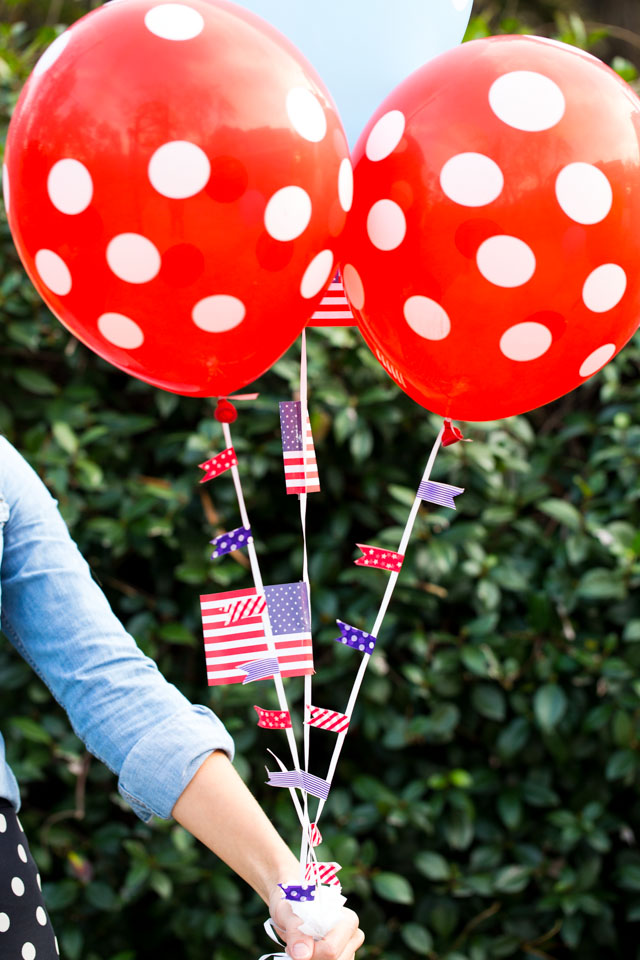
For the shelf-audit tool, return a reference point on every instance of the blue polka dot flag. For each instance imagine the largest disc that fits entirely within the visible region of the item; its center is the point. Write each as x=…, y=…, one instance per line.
x=354, y=638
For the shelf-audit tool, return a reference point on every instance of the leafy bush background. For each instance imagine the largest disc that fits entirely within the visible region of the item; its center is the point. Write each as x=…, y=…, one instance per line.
x=487, y=804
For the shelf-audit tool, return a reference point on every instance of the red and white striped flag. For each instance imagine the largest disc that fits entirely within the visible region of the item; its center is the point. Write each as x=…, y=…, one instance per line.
x=300, y=465
x=229, y=646
x=323, y=873
x=242, y=609
x=316, y=836
x=328, y=720
x=334, y=309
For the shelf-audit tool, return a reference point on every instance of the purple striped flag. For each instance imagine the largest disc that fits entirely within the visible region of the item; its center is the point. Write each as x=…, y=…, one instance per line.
x=328, y=720
x=301, y=780
x=441, y=494
x=260, y=669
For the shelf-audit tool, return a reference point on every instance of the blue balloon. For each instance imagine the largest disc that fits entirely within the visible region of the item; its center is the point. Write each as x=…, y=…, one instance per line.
x=362, y=49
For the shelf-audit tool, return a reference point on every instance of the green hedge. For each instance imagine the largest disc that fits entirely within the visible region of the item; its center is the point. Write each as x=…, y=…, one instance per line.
x=487, y=804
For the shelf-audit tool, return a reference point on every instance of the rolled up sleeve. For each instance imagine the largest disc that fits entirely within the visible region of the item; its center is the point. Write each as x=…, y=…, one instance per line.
x=57, y=617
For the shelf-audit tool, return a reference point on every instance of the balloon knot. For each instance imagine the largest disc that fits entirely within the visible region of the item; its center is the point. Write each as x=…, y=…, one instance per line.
x=225, y=412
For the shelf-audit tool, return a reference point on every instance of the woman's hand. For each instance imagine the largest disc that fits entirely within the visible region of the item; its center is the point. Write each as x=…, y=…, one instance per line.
x=340, y=944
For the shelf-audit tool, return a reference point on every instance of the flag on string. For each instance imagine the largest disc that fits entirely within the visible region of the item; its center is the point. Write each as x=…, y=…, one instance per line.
x=233, y=540
x=441, y=494
x=323, y=872
x=327, y=720
x=356, y=639
x=264, y=669
x=218, y=464
x=300, y=465
x=230, y=645
x=316, y=836
x=301, y=780
x=251, y=607
x=273, y=719
x=298, y=893
x=334, y=309
x=378, y=557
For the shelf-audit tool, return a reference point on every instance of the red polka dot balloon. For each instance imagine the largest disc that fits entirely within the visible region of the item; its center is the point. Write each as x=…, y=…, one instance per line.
x=177, y=180
x=494, y=251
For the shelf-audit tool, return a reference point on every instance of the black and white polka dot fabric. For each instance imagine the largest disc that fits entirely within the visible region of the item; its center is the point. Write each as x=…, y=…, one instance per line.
x=25, y=928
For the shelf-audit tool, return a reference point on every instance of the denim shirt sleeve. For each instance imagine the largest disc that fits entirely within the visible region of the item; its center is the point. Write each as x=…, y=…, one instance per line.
x=57, y=617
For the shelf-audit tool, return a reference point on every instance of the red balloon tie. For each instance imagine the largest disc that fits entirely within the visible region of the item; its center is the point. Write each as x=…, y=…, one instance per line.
x=225, y=412
x=451, y=434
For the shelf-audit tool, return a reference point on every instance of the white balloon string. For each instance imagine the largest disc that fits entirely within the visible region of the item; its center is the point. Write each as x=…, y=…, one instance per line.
x=305, y=845
x=384, y=606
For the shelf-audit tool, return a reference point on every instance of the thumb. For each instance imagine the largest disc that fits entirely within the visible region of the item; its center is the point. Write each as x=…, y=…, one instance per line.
x=299, y=946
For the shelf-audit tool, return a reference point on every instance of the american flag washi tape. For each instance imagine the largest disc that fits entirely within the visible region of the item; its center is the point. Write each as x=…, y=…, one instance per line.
x=260, y=669
x=440, y=494
x=328, y=720
x=333, y=310
x=300, y=465
x=301, y=780
x=250, y=607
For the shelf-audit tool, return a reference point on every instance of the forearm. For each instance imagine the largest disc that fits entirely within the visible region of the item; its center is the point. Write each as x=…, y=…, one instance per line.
x=218, y=809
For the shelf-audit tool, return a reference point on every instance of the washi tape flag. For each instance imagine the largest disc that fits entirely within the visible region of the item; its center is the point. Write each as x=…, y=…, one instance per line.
x=377, y=557
x=323, y=872
x=356, y=639
x=327, y=720
x=334, y=309
x=218, y=464
x=234, y=540
x=253, y=607
x=441, y=494
x=230, y=645
x=300, y=467
x=315, y=836
x=273, y=719
x=263, y=669
x=298, y=893
x=301, y=780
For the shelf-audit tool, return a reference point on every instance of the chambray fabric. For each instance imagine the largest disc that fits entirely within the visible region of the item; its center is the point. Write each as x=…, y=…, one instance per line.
x=59, y=620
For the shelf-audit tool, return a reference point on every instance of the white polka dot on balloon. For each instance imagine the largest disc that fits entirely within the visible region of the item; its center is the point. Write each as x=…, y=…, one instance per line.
x=345, y=185
x=527, y=101
x=526, y=341
x=306, y=114
x=471, y=179
x=427, y=318
x=506, y=261
x=288, y=213
x=460, y=5
x=5, y=922
x=41, y=916
x=121, y=331
x=174, y=21
x=596, y=360
x=317, y=274
x=584, y=193
x=354, y=288
x=22, y=853
x=39, y=881
x=386, y=225
x=20, y=825
x=5, y=187
x=179, y=169
x=28, y=951
x=133, y=258
x=386, y=135
x=52, y=53
x=55, y=940
x=3, y=823
x=70, y=186
x=218, y=313
x=604, y=288
x=53, y=272
x=17, y=886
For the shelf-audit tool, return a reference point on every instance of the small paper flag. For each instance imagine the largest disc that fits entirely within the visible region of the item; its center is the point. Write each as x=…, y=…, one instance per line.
x=233, y=540
x=300, y=467
x=356, y=639
x=316, y=836
x=328, y=720
x=441, y=494
x=298, y=893
x=324, y=872
x=243, y=609
x=273, y=719
x=218, y=464
x=378, y=557
x=334, y=309
x=301, y=780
